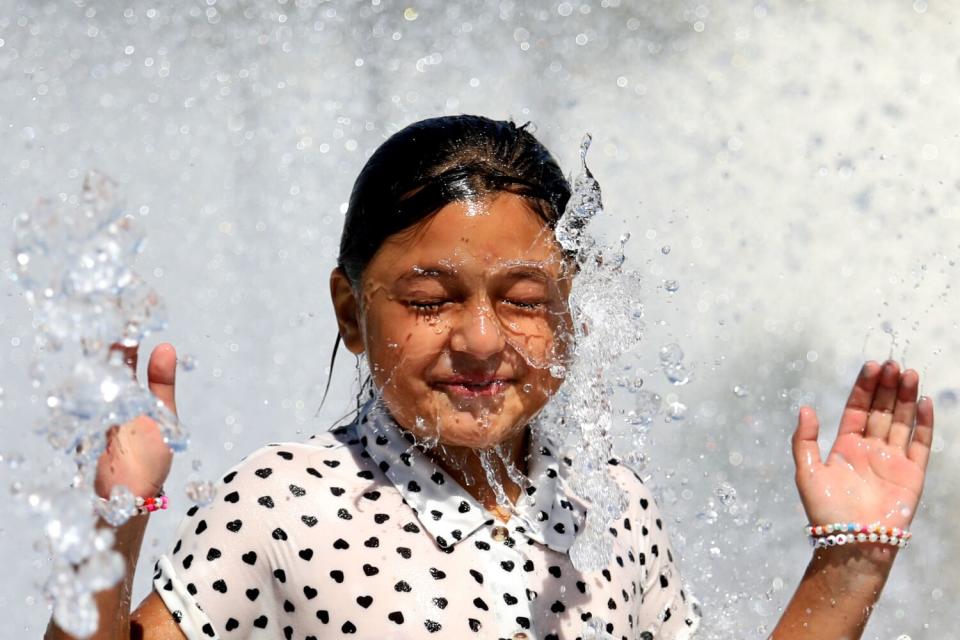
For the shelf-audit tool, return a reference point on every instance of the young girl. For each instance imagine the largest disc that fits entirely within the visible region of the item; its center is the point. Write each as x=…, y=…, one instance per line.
x=452, y=285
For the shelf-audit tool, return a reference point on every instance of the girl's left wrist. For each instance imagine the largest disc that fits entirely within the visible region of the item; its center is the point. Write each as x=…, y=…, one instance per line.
x=856, y=563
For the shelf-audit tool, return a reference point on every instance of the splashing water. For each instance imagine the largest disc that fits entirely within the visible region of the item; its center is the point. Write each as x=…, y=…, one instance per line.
x=73, y=260
x=584, y=204
x=676, y=411
x=671, y=361
x=605, y=327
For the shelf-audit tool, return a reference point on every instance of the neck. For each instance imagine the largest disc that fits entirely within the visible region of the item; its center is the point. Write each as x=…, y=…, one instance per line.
x=464, y=465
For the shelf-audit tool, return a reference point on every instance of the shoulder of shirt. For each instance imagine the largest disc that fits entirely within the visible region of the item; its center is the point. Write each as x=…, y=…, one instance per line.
x=628, y=478
x=337, y=447
x=619, y=467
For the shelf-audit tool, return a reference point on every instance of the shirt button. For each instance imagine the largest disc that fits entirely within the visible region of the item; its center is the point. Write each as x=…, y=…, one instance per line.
x=520, y=635
x=500, y=534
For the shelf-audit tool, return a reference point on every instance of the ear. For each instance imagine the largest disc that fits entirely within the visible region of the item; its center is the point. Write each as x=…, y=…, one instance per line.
x=347, y=308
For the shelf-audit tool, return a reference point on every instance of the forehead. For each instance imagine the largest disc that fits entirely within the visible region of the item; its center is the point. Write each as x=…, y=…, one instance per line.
x=476, y=235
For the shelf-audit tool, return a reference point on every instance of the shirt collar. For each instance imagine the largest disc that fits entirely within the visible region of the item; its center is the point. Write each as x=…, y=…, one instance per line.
x=549, y=513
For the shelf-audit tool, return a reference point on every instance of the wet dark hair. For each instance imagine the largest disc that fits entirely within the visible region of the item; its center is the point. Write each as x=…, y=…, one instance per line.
x=431, y=163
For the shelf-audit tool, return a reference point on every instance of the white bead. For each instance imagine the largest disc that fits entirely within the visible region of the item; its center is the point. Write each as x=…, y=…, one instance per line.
x=819, y=531
x=883, y=538
x=873, y=537
x=861, y=537
x=828, y=528
x=841, y=540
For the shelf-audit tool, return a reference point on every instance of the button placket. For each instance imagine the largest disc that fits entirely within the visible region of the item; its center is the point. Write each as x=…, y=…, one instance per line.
x=513, y=582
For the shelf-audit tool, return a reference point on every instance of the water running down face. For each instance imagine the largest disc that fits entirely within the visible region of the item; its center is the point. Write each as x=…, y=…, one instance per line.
x=461, y=318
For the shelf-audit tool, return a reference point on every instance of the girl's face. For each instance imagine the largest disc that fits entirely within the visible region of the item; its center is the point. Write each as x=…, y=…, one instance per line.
x=461, y=318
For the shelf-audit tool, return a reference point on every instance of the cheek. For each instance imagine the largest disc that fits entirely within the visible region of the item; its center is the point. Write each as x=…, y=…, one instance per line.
x=400, y=347
x=542, y=341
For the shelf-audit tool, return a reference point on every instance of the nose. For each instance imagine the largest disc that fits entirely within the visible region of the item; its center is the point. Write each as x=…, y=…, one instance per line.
x=477, y=332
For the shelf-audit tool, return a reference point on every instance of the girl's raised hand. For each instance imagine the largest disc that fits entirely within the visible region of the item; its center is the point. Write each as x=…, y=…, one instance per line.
x=874, y=473
x=136, y=455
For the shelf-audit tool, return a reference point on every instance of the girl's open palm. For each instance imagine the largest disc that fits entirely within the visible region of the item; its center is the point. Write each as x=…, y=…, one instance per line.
x=874, y=473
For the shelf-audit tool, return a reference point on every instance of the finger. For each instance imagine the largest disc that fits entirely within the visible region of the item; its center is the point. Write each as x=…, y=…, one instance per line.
x=919, y=449
x=129, y=355
x=162, y=374
x=881, y=411
x=854, y=419
x=806, y=451
x=905, y=410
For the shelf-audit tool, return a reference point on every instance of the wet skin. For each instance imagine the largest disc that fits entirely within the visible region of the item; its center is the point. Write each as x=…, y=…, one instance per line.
x=460, y=318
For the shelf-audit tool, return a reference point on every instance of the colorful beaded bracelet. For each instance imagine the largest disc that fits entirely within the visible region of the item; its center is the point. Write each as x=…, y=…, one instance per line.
x=149, y=505
x=841, y=533
x=855, y=528
x=850, y=538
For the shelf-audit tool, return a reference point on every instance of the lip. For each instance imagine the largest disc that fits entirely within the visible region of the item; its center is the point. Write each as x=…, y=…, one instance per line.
x=472, y=386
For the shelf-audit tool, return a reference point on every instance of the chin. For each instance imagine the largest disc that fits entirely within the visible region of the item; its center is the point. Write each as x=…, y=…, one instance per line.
x=481, y=423
x=466, y=429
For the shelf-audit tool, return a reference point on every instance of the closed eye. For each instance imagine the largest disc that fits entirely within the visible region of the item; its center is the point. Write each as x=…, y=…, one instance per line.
x=425, y=307
x=525, y=304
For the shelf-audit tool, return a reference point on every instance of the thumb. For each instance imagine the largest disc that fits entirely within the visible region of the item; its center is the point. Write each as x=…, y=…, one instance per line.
x=162, y=374
x=806, y=451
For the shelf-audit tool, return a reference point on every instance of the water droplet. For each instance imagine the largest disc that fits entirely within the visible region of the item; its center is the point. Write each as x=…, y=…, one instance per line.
x=677, y=374
x=672, y=286
x=764, y=526
x=665, y=249
x=201, y=492
x=676, y=411
x=119, y=508
x=671, y=353
x=647, y=407
x=726, y=493
x=741, y=391
x=710, y=516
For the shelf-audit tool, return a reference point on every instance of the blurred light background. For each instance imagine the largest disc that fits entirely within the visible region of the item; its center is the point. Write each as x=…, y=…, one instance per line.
x=788, y=172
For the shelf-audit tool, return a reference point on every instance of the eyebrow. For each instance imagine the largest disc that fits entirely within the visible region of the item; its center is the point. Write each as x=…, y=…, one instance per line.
x=531, y=271
x=432, y=272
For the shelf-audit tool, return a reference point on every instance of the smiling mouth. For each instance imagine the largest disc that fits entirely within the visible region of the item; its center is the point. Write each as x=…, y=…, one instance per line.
x=466, y=388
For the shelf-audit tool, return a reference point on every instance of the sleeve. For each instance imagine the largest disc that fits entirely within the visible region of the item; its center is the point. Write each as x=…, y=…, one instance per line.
x=217, y=575
x=668, y=611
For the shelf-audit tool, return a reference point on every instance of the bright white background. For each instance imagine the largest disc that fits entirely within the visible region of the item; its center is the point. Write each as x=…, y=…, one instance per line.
x=800, y=159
